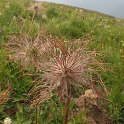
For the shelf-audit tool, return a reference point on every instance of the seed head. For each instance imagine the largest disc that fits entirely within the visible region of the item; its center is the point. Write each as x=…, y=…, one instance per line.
x=67, y=71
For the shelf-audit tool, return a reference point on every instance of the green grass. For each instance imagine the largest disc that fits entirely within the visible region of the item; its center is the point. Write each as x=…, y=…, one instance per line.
x=68, y=23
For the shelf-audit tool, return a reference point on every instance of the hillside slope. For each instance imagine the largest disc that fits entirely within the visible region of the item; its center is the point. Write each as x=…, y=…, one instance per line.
x=103, y=34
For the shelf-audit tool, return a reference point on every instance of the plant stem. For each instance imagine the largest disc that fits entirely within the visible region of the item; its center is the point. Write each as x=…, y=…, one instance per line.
x=66, y=111
x=36, y=115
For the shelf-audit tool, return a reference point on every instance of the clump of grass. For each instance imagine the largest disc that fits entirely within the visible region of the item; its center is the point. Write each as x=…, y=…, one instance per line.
x=70, y=28
x=51, y=13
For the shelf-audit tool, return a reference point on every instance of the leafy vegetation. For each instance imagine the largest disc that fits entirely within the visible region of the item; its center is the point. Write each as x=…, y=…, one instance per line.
x=23, y=26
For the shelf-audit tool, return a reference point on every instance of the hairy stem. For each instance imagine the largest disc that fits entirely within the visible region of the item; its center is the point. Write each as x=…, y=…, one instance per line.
x=67, y=102
x=66, y=111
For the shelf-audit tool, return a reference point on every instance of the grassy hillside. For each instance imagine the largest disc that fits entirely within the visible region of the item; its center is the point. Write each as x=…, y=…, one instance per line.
x=103, y=34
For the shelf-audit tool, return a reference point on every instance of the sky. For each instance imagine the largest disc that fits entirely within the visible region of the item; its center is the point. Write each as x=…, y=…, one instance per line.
x=111, y=7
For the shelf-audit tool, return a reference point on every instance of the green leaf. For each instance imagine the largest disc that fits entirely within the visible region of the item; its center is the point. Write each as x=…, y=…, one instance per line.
x=27, y=122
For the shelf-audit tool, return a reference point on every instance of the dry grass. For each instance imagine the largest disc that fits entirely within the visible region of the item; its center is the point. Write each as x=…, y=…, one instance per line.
x=4, y=95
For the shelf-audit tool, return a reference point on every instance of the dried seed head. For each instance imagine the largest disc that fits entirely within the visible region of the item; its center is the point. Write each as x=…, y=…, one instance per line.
x=35, y=7
x=67, y=71
x=29, y=52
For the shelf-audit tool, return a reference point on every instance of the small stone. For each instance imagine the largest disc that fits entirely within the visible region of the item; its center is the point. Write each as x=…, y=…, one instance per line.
x=7, y=121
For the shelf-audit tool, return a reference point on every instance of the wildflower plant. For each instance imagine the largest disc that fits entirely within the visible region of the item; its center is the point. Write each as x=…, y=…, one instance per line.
x=64, y=67
x=66, y=70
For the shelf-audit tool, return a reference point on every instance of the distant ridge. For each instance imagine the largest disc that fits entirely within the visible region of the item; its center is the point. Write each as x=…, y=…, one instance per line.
x=84, y=9
x=112, y=7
